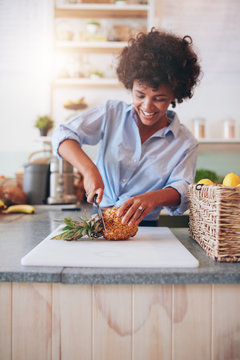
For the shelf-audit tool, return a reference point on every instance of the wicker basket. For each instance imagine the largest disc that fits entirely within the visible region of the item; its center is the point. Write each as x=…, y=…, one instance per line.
x=214, y=220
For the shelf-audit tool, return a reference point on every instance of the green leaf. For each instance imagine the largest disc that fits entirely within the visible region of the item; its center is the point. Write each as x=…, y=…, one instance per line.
x=67, y=227
x=205, y=174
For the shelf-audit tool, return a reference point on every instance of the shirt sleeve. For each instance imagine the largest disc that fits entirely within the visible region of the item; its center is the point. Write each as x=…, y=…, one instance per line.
x=183, y=175
x=86, y=128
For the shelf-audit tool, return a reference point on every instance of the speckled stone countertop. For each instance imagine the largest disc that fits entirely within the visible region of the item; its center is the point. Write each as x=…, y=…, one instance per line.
x=19, y=233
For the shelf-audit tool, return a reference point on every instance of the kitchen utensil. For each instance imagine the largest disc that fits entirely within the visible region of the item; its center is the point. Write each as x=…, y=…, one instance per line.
x=36, y=182
x=152, y=247
x=61, y=182
x=40, y=157
x=99, y=210
x=36, y=177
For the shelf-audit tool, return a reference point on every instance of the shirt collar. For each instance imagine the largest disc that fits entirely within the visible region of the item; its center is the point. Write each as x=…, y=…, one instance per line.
x=173, y=127
x=133, y=113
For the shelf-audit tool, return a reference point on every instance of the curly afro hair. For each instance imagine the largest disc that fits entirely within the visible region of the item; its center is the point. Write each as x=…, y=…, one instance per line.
x=160, y=57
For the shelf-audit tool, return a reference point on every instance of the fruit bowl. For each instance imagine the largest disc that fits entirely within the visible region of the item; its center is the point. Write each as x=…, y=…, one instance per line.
x=77, y=105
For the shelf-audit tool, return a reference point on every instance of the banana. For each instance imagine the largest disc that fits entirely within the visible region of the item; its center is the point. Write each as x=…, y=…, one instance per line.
x=2, y=204
x=26, y=209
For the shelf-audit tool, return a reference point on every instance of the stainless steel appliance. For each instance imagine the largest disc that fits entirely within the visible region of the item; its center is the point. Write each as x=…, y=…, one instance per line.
x=61, y=189
x=36, y=182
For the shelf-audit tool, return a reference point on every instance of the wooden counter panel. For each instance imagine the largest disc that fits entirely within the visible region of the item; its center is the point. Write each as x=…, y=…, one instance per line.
x=226, y=322
x=135, y=322
x=112, y=322
x=72, y=322
x=152, y=306
x=31, y=321
x=192, y=315
x=5, y=320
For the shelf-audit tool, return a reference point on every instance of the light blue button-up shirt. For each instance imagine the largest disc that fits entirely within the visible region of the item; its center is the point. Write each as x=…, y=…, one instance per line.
x=128, y=167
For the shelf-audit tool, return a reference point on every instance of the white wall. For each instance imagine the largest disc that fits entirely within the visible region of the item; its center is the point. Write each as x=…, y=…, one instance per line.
x=26, y=35
x=215, y=99
x=215, y=29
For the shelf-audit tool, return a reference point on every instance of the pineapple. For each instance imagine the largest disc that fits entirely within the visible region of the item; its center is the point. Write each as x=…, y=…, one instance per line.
x=115, y=230
x=93, y=228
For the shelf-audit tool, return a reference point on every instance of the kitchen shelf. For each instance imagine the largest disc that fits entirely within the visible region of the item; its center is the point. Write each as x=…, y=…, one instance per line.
x=136, y=16
x=101, y=10
x=88, y=82
x=100, y=46
x=219, y=145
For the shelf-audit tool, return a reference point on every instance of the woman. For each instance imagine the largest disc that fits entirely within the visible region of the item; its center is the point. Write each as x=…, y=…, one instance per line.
x=146, y=158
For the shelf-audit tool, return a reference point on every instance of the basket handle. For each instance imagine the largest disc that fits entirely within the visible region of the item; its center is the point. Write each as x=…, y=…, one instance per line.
x=199, y=187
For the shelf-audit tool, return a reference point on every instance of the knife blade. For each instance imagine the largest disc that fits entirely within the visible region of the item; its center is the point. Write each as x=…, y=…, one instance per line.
x=99, y=210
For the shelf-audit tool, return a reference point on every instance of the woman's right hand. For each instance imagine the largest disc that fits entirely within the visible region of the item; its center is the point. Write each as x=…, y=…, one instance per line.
x=93, y=184
x=92, y=180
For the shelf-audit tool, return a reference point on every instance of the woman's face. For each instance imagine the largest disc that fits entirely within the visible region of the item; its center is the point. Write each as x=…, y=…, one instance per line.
x=151, y=104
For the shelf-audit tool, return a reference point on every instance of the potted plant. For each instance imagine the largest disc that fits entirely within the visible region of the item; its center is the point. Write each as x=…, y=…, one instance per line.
x=96, y=74
x=44, y=124
x=93, y=26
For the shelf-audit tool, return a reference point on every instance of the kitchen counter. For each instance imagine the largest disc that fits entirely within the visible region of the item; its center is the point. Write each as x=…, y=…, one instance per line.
x=20, y=233
x=104, y=313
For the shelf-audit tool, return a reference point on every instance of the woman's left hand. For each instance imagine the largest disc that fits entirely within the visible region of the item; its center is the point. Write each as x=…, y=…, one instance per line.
x=137, y=208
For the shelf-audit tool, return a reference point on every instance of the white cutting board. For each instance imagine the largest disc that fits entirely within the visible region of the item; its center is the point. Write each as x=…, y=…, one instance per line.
x=152, y=247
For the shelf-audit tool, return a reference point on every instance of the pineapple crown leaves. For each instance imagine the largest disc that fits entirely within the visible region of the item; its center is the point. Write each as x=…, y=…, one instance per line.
x=74, y=230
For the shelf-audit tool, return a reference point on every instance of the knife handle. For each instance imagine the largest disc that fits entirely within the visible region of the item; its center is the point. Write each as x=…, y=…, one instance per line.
x=95, y=199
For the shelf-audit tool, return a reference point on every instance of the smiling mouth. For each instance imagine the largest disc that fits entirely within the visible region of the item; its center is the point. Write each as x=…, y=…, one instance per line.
x=147, y=114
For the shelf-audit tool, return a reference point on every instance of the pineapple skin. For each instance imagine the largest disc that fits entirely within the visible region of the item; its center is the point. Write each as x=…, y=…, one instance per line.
x=115, y=230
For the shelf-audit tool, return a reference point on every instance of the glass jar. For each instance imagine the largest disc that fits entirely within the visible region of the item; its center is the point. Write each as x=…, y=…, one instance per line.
x=199, y=128
x=229, y=129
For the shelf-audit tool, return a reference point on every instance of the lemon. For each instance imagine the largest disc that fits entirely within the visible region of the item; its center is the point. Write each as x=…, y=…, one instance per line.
x=206, y=182
x=231, y=179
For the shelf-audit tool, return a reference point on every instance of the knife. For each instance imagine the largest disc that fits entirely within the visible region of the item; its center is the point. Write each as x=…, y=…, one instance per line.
x=99, y=210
